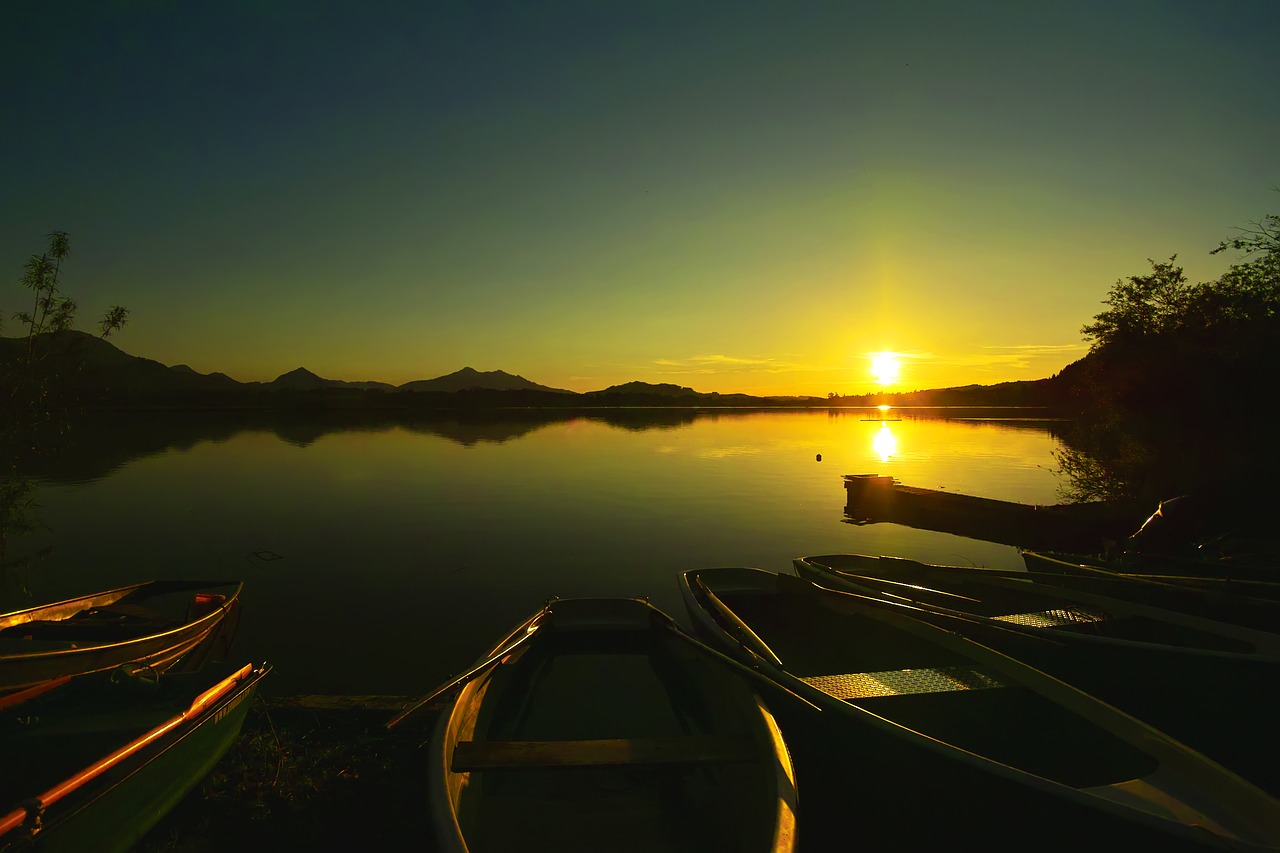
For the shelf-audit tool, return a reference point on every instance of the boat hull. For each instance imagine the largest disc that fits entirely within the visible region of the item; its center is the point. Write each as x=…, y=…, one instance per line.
x=617, y=735
x=42, y=644
x=114, y=810
x=1179, y=675
x=1029, y=746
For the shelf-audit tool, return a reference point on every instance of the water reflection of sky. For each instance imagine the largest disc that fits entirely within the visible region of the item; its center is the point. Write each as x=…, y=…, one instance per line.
x=430, y=541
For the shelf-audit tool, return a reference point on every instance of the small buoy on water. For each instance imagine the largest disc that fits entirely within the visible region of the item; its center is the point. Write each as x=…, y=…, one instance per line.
x=819, y=457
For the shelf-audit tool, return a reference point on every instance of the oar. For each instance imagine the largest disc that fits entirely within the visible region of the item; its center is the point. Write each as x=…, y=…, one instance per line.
x=455, y=683
x=872, y=581
x=831, y=598
x=748, y=638
x=733, y=663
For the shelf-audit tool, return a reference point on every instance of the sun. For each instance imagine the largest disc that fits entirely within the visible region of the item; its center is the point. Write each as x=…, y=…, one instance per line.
x=885, y=367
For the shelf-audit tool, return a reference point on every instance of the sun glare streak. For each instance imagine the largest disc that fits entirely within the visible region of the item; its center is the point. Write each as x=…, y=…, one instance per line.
x=884, y=444
x=885, y=367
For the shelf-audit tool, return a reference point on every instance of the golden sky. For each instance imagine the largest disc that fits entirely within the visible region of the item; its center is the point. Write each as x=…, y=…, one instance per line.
x=728, y=197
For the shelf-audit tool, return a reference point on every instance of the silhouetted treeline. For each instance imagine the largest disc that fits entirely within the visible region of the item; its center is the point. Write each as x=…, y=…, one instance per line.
x=1173, y=393
x=1165, y=344
x=1037, y=392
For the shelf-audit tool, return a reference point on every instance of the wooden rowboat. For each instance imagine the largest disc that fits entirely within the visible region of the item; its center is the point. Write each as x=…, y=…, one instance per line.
x=99, y=778
x=154, y=624
x=602, y=724
x=959, y=736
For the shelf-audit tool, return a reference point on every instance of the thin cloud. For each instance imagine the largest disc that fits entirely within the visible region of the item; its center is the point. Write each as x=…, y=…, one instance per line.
x=1016, y=355
x=1047, y=349
x=720, y=363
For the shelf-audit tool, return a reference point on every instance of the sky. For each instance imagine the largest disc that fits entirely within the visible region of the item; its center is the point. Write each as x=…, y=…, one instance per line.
x=735, y=197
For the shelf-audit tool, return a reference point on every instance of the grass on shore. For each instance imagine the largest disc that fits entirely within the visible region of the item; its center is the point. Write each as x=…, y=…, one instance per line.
x=301, y=777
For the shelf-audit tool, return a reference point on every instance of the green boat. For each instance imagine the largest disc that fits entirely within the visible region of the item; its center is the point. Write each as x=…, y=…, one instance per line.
x=156, y=624
x=957, y=739
x=98, y=776
x=599, y=724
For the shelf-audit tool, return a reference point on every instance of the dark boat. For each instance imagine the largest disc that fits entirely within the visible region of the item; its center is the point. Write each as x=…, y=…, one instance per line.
x=1208, y=599
x=599, y=724
x=99, y=777
x=960, y=738
x=1219, y=577
x=1018, y=603
x=155, y=624
x=1200, y=680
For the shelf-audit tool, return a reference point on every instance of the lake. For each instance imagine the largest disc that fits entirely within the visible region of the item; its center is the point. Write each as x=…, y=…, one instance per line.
x=383, y=553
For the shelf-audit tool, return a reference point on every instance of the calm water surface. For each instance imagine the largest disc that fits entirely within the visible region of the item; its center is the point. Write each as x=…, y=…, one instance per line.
x=405, y=548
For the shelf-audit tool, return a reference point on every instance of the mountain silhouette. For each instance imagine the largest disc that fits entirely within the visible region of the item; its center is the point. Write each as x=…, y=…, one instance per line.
x=665, y=389
x=301, y=379
x=468, y=379
x=111, y=368
x=103, y=373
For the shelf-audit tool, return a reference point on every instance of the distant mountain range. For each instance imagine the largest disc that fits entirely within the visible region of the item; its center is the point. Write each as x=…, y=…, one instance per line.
x=118, y=371
x=107, y=375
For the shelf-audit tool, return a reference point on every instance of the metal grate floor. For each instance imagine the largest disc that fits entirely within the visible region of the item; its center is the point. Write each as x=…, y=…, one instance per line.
x=1054, y=618
x=901, y=682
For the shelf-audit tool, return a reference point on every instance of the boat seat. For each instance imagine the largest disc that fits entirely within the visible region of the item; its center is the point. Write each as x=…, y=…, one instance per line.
x=1058, y=618
x=902, y=682
x=524, y=754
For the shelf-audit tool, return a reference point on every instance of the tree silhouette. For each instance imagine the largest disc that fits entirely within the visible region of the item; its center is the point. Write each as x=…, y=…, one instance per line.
x=34, y=388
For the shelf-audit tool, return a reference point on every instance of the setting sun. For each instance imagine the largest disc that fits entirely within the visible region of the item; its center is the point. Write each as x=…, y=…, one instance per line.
x=885, y=367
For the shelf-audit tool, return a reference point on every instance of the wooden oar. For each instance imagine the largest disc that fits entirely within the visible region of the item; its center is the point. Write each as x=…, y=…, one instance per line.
x=455, y=683
x=733, y=663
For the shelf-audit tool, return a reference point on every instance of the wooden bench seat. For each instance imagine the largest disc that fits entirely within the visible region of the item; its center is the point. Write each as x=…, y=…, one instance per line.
x=523, y=754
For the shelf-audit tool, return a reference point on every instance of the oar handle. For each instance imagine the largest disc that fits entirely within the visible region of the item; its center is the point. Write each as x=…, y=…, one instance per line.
x=471, y=673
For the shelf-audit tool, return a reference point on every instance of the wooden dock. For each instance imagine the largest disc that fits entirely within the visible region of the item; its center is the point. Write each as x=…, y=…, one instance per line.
x=1084, y=528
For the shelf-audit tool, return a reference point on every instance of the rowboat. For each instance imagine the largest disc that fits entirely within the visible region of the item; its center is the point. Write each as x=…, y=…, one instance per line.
x=99, y=779
x=155, y=624
x=602, y=722
x=1212, y=573
x=1254, y=583
x=973, y=735
x=1237, y=602
x=1018, y=602
x=1185, y=674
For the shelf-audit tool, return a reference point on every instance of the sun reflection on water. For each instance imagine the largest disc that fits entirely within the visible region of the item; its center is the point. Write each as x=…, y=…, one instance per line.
x=884, y=444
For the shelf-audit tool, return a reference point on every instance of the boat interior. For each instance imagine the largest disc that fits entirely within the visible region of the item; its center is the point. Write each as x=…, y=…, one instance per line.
x=907, y=677
x=45, y=745
x=150, y=609
x=1026, y=607
x=616, y=739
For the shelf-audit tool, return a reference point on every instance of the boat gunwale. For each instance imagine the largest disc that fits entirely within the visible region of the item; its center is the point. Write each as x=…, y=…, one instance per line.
x=1266, y=644
x=107, y=773
x=464, y=709
x=1167, y=752
x=195, y=626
